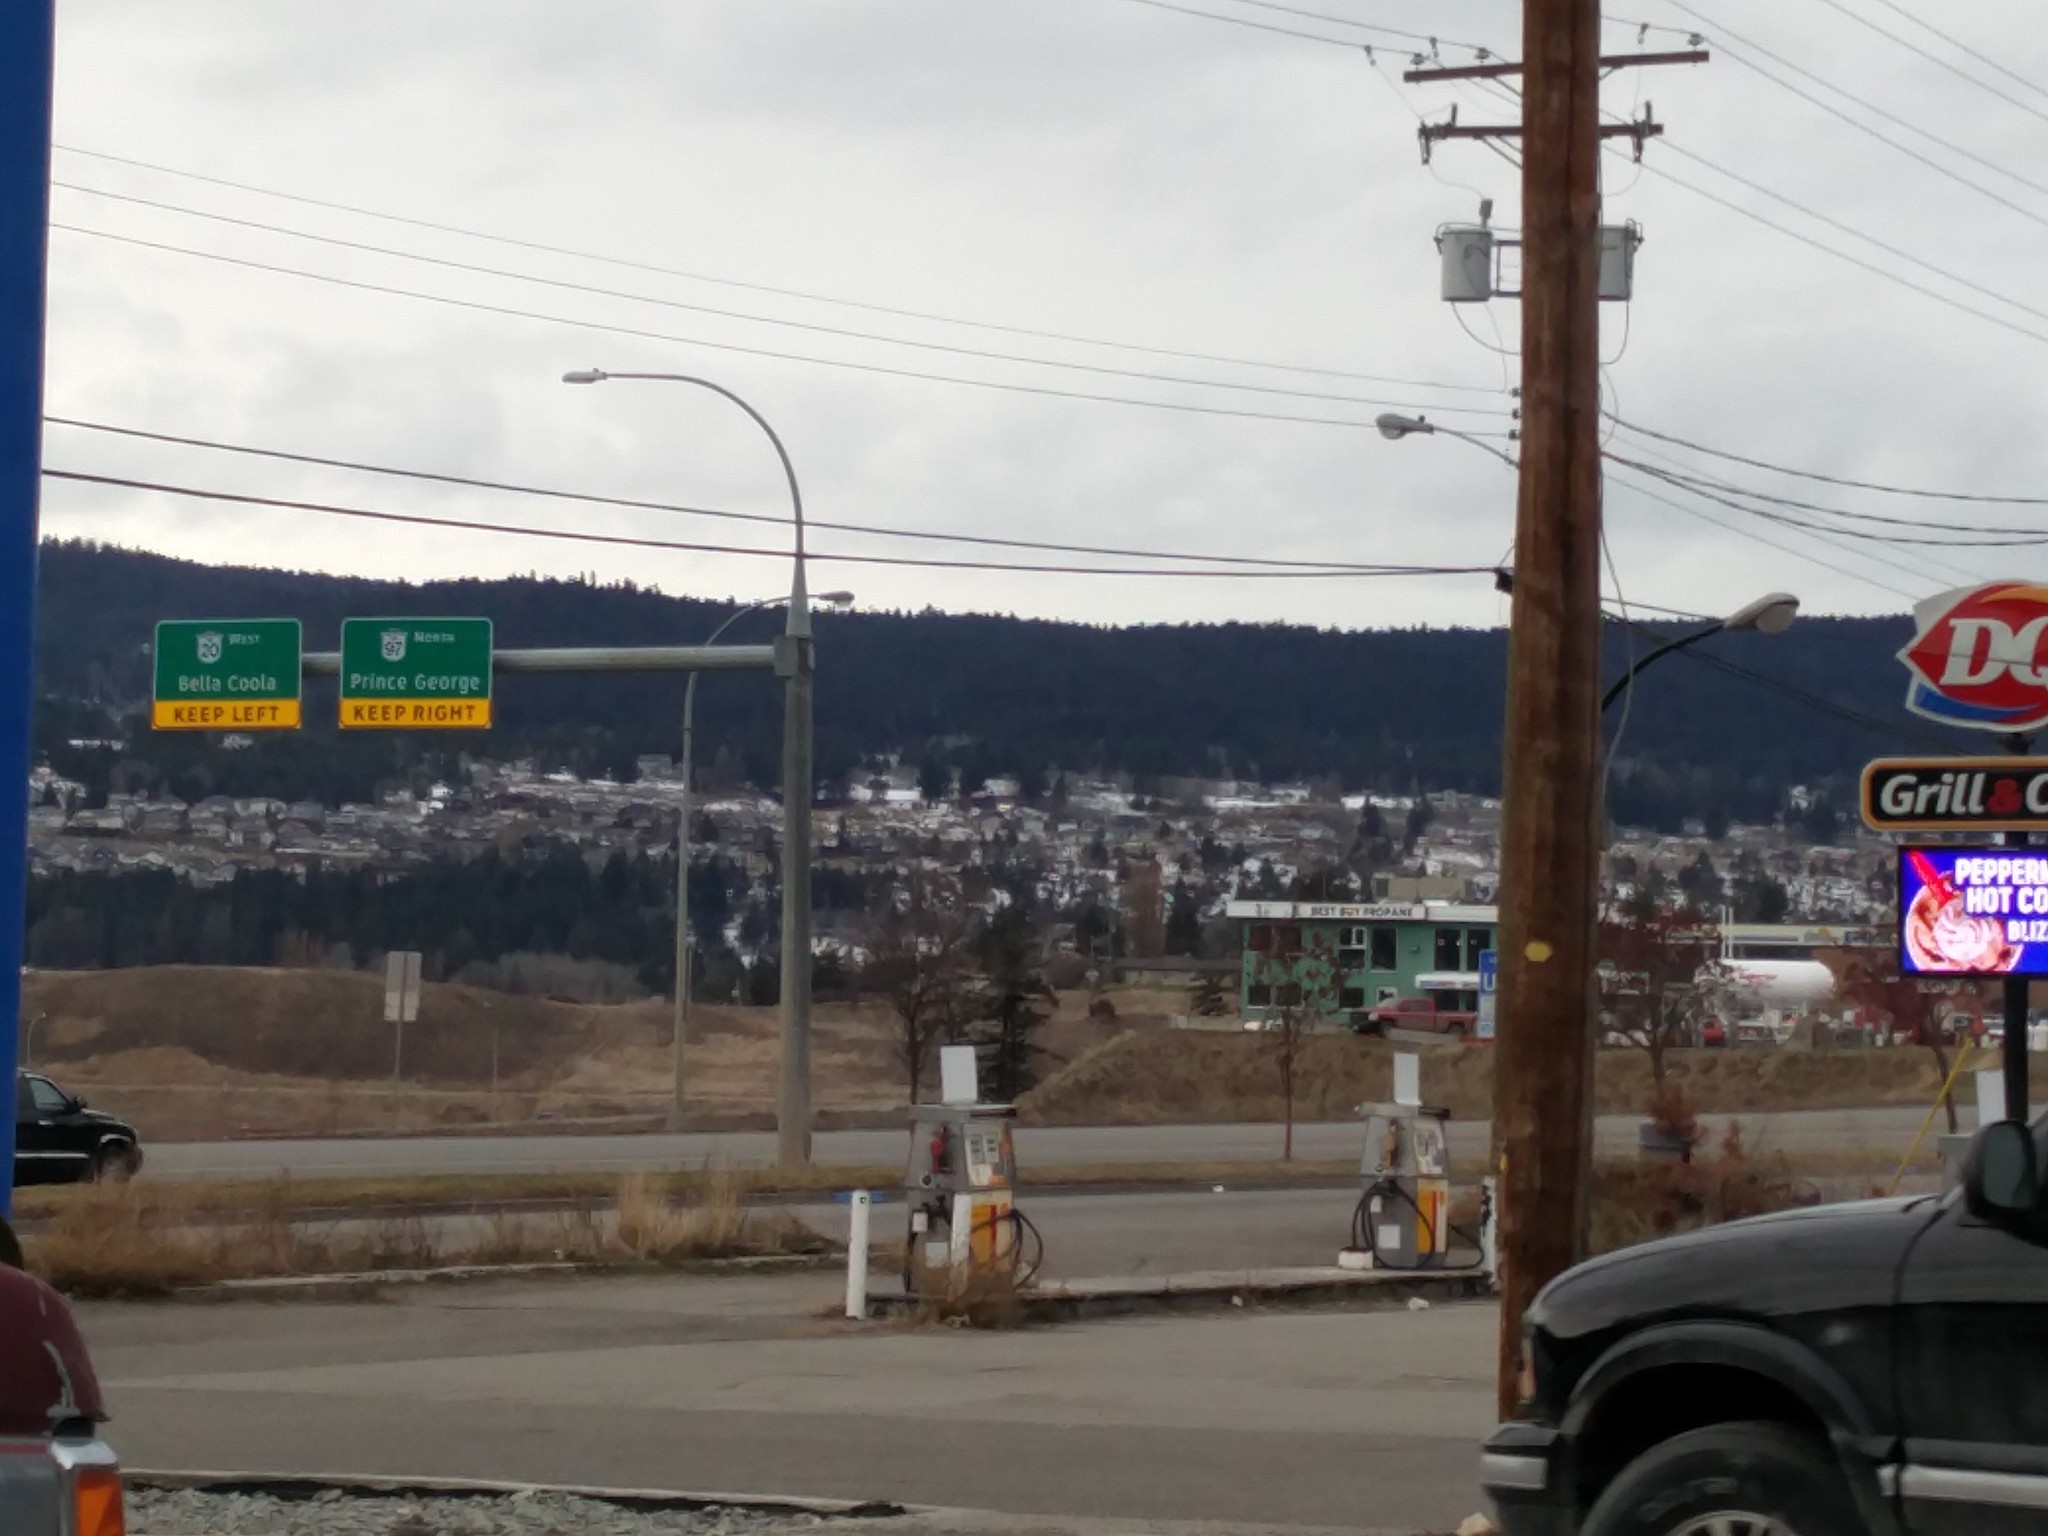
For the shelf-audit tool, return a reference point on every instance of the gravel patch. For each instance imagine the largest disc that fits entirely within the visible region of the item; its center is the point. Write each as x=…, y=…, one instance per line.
x=334, y=1512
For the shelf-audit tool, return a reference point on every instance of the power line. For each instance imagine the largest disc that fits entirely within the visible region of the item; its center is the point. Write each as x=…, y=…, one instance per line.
x=1841, y=255
x=515, y=488
x=1849, y=229
x=1950, y=172
x=579, y=536
x=1955, y=69
x=1837, y=539
x=726, y=314
x=1246, y=21
x=805, y=295
x=1369, y=26
x=1960, y=46
x=1894, y=729
x=1808, y=474
x=1747, y=533
x=728, y=346
x=1700, y=487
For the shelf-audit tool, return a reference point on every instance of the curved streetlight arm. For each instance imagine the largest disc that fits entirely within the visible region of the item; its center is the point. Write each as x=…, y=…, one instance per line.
x=1482, y=445
x=1621, y=683
x=1394, y=426
x=799, y=605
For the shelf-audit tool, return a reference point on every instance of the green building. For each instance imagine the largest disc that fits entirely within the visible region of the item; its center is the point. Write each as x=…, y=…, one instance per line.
x=1382, y=951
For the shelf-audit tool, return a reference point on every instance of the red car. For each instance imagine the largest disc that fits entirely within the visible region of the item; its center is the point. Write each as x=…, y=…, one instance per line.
x=1422, y=1016
x=57, y=1477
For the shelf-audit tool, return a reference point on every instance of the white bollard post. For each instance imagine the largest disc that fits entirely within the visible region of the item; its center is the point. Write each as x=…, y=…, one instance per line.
x=1489, y=1233
x=857, y=1258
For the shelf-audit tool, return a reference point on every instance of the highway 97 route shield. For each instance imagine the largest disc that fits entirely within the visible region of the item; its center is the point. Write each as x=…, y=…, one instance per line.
x=416, y=674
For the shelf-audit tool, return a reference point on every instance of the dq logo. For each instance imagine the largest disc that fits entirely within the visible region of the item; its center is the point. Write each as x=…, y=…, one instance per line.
x=1979, y=659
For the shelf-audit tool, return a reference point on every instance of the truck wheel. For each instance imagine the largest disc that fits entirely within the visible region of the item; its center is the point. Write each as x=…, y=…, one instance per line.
x=1728, y=1480
x=111, y=1165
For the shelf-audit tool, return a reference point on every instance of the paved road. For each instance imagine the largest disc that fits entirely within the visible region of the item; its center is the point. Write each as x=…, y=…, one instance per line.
x=1853, y=1131
x=1355, y=1420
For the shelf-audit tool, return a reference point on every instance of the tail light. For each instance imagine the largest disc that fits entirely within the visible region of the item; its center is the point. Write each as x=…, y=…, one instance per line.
x=91, y=1498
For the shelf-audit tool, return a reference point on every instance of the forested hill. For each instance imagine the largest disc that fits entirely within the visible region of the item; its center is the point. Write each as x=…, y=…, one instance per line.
x=1395, y=709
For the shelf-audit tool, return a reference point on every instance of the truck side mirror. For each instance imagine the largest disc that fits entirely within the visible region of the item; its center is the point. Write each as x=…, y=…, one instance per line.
x=2001, y=1180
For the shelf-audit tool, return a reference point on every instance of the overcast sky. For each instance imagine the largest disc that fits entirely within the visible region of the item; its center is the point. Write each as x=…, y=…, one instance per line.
x=1105, y=169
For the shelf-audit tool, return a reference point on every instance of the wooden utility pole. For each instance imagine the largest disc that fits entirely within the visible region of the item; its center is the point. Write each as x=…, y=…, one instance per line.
x=1549, y=856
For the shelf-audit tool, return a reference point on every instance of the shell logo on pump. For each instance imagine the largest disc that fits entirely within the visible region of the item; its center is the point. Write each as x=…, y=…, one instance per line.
x=1980, y=657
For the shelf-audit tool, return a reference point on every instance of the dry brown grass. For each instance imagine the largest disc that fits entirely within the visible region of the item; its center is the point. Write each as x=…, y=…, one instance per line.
x=1201, y=1077
x=433, y=1193
x=989, y=1300
x=139, y=1241
x=1636, y=1200
x=708, y=1220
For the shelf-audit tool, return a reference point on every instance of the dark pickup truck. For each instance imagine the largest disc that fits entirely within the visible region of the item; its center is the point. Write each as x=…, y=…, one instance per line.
x=57, y=1477
x=57, y=1140
x=1866, y=1369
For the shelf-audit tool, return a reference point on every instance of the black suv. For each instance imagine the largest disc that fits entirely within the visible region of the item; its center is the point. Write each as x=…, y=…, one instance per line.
x=1866, y=1369
x=57, y=1140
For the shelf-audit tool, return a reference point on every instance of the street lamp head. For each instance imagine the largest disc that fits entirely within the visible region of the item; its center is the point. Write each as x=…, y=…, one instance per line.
x=1771, y=614
x=1395, y=426
x=585, y=376
x=834, y=599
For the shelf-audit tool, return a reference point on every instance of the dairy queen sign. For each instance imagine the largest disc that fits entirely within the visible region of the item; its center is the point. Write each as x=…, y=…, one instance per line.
x=1980, y=657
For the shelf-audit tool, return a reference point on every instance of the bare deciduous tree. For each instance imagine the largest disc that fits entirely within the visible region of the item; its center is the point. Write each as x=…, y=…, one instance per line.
x=1910, y=1006
x=921, y=938
x=1659, y=967
x=1304, y=988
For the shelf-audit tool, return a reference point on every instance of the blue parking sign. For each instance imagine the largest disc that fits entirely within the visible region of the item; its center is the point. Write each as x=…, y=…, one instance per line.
x=1489, y=977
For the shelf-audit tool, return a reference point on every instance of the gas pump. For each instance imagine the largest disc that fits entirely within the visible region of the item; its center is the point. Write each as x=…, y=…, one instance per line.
x=960, y=1187
x=1403, y=1215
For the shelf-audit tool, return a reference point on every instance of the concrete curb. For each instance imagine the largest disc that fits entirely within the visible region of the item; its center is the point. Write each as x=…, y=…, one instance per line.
x=285, y=1287
x=1075, y=1300
x=304, y=1485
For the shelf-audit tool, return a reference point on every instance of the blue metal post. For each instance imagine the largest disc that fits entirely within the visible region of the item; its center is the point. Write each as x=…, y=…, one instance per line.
x=27, y=29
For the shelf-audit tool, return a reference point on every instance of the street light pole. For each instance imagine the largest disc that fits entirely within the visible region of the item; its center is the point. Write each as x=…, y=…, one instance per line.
x=793, y=1106
x=680, y=1031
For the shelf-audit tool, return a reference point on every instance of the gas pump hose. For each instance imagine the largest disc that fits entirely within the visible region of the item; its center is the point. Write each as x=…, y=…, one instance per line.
x=1023, y=1273
x=1363, y=1236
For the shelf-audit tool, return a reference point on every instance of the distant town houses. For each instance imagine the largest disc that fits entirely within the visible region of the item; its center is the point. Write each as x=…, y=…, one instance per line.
x=1219, y=839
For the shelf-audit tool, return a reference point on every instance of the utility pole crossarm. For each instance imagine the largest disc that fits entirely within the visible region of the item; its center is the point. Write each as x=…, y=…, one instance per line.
x=1497, y=71
x=1638, y=130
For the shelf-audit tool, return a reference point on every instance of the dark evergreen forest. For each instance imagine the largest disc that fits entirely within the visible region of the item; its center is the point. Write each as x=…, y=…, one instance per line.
x=1718, y=732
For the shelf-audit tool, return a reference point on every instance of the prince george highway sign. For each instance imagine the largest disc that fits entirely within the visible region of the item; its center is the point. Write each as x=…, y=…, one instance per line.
x=416, y=674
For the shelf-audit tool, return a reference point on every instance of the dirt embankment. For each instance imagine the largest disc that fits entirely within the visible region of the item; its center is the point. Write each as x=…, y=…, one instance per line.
x=199, y=1052
x=192, y=1052
x=1195, y=1076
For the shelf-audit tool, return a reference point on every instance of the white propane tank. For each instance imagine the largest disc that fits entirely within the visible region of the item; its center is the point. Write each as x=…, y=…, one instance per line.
x=1788, y=984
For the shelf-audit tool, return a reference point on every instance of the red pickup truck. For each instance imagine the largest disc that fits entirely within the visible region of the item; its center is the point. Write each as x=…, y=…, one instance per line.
x=57, y=1477
x=1420, y=1015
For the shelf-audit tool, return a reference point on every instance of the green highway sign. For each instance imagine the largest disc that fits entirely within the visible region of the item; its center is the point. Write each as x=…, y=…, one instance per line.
x=416, y=674
x=226, y=675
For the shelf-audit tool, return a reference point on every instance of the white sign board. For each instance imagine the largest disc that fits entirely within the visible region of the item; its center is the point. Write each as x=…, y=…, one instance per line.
x=1990, y=1097
x=1407, y=1078
x=402, y=986
x=958, y=1081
